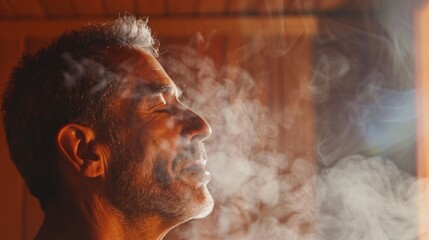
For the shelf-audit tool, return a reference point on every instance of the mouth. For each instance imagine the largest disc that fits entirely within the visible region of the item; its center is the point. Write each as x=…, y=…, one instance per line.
x=191, y=167
x=195, y=174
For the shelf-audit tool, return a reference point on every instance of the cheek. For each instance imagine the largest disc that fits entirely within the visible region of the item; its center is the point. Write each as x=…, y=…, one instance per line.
x=155, y=146
x=154, y=171
x=168, y=142
x=166, y=135
x=162, y=172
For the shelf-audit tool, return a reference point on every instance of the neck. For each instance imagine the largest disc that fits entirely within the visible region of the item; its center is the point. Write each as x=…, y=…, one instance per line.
x=95, y=220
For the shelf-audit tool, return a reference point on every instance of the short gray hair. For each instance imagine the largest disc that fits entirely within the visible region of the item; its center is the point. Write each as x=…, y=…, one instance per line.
x=135, y=32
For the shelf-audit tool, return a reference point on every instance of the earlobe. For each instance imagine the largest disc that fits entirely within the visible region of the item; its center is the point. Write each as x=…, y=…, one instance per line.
x=78, y=146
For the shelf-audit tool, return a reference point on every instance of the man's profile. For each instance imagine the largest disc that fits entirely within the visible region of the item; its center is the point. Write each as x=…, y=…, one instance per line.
x=95, y=127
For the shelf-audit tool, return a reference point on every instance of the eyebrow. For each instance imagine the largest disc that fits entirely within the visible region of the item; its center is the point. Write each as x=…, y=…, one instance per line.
x=145, y=90
x=161, y=89
x=155, y=89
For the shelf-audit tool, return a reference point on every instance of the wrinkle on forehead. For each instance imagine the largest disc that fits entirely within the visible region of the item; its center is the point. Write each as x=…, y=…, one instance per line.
x=139, y=65
x=128, y=59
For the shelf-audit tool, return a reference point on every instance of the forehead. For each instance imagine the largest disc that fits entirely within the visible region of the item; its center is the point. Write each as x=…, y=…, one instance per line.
x=139, y=67
x=143, y=77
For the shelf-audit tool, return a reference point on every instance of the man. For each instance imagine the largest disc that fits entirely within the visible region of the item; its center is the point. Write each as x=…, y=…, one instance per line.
x=95, y=127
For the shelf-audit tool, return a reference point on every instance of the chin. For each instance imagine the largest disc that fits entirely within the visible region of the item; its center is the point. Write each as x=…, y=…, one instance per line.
x=203, y=207
x=207, y=206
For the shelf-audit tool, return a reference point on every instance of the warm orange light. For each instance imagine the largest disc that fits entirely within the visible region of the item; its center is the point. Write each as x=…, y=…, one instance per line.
x=422, y=83
x=422, y=74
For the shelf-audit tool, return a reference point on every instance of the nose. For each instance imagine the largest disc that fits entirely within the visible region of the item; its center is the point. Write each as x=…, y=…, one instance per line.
x=196, y=128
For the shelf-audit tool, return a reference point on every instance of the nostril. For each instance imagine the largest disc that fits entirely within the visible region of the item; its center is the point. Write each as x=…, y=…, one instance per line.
x=196, y=127
x=205, y=131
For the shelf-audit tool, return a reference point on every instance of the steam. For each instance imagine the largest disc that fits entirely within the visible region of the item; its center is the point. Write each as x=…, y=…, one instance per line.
x=365, y=98
x=368, y=198
x=263, y=193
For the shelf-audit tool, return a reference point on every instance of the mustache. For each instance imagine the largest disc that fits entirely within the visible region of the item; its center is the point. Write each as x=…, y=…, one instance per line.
x=189, y=154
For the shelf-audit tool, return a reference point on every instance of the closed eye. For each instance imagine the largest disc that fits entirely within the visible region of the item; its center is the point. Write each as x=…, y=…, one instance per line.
x=171, y=109
x=158, y=99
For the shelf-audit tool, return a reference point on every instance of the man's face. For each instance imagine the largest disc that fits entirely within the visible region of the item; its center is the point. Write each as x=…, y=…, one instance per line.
x=158, y=164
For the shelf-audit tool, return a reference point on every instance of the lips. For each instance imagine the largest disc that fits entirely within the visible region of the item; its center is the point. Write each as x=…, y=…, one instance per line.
x=193, y=164
x=190, y=165
x=195, y=176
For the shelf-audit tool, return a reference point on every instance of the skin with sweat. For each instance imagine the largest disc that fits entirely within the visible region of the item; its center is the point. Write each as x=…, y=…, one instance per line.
x=150, y=180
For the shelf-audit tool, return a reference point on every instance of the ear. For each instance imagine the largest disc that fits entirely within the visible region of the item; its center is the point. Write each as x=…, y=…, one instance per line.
x=77, y=144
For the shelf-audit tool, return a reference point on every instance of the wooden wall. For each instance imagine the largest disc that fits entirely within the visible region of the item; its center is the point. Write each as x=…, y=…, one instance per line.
x=67, y=9
x=286, y=78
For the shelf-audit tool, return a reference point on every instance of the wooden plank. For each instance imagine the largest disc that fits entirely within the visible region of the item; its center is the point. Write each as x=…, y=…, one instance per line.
x=174, y=26
x=243, y=6
x=296, y=131
x=88, y=8
x=55, y=8
x=27, y=8
x=291, y=6
x=215, y=48
x=294, y=6
x=328, y=4
x=297, y=66
x=175, y=7
x=349, y=5
x=150, y=7
x=119, y=8
x=272, y=6
x=234, y=53
x=11, y=184
x=211, y=7
x=41, y=28
x=6, y=9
